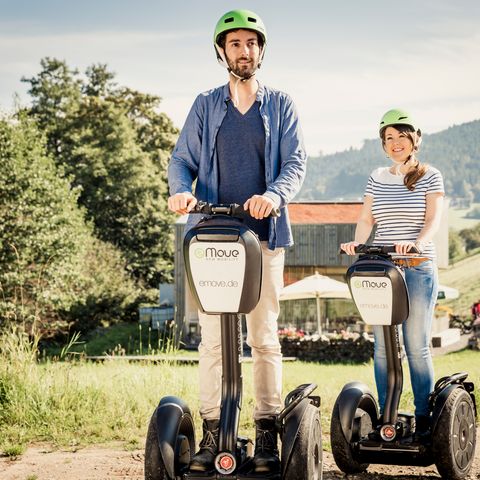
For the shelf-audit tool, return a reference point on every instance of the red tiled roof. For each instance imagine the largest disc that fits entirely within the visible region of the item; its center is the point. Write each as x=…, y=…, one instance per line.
x=311, y=213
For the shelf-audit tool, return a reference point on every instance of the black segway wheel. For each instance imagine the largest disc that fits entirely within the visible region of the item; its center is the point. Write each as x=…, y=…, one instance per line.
x=455, y=436
x=306, y=455
x=154, y=465
x=341, y=448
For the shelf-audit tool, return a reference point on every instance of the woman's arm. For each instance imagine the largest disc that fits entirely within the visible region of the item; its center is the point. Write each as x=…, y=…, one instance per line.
x=433, y=214
x=365, y=222
x=364, y=226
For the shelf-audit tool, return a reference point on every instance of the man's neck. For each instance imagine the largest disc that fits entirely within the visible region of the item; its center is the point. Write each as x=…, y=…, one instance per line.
x=243, y=93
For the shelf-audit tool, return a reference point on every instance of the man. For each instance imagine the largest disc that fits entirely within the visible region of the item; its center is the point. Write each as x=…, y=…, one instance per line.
x=242, y=144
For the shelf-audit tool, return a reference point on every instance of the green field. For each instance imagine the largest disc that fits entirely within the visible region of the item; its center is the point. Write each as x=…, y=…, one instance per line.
x=457, y=219
x=464, y=276
x=78, y=402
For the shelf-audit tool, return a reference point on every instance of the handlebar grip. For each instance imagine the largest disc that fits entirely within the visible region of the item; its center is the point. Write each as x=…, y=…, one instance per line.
x=363, y=248
x=232, y=210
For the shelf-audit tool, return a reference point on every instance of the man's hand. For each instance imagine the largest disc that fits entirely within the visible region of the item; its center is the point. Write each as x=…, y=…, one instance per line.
x=259, y=206
x=181, y=203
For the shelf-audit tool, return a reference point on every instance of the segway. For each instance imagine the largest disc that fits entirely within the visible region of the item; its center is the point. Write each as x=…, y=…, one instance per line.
x=223, y=261
x=359, y=436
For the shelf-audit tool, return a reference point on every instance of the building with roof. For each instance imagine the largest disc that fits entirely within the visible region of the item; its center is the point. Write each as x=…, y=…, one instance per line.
x=318, y=229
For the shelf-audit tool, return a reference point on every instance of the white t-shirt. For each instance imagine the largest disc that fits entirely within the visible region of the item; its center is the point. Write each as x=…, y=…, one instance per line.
x=398, y=211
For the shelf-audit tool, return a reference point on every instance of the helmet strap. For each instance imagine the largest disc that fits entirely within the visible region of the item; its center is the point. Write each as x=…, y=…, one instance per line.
x=236, y=100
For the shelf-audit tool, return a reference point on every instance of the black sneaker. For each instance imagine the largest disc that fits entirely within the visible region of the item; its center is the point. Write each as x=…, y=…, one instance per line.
x=266, y=459
x=203, y=460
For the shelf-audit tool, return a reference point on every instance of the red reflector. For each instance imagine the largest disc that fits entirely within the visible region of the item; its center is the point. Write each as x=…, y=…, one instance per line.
x=389, y=432
x=226, y=462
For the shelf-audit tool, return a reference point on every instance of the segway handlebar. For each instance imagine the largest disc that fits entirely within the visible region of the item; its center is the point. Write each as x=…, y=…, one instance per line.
x=231, y=210
x=365, y=249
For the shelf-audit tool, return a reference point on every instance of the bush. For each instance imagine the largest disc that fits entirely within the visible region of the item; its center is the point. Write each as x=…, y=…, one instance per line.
x=456, y=246
x=471, y=237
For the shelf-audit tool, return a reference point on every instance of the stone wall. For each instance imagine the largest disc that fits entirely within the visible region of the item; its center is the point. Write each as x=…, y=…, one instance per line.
x=334, y=350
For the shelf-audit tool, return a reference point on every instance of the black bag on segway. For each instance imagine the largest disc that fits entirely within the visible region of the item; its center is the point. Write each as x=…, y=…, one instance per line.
x=223, y=261
x=379, y=290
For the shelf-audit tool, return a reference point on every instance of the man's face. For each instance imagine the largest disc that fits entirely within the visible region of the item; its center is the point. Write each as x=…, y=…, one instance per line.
x=242, y=52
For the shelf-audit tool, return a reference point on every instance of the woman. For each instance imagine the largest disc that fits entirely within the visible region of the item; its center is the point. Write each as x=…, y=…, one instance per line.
x=405, y=202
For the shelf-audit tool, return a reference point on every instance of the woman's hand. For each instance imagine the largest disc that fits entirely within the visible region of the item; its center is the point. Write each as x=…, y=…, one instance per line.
x=349, y=247
x=404, y=248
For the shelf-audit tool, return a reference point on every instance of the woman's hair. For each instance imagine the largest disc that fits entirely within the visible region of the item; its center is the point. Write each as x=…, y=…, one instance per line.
x=419, y=170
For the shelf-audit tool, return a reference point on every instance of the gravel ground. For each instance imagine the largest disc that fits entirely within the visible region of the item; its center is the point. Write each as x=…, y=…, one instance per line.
x=112, y=462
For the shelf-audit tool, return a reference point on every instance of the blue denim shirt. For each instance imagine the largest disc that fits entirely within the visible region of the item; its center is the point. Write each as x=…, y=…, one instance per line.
x=194, y=155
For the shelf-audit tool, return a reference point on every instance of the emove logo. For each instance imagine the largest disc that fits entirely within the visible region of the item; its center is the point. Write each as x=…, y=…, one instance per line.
x=370, y=284
x=218, y=283
x=212, y=252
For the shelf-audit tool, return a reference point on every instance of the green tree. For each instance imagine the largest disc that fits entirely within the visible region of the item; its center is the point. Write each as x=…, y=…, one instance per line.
x=471, y=237
x=114, y=145
x=50, y=263
x=456, y=245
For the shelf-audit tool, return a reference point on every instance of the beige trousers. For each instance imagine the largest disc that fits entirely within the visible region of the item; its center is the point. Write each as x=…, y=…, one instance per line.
x=262, y=337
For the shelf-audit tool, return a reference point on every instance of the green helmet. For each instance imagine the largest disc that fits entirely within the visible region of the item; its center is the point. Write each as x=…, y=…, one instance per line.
x=397, y=117
x=234, y=20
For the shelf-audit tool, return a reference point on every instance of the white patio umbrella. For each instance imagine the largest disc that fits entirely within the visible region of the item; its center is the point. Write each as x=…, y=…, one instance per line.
x=315, y=286
x=445, y=292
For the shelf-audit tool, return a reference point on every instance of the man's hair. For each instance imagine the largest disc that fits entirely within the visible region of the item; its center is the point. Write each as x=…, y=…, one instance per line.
x=222, y=37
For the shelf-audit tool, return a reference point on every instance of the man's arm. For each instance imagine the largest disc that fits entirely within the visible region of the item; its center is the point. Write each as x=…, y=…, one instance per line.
x=293, y=158
x=183, y=166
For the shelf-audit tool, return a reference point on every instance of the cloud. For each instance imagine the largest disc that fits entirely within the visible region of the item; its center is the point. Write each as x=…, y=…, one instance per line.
x=342, y=80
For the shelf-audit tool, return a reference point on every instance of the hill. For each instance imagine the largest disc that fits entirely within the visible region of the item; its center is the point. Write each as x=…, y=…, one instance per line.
x=343, y=175
x=463, y=276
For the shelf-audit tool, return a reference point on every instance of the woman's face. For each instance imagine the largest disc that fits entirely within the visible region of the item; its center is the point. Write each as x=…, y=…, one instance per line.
x=397, y=145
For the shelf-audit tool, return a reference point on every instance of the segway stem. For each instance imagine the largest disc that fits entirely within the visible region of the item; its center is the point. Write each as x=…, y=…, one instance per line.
x=394, y=374
x=231, y=381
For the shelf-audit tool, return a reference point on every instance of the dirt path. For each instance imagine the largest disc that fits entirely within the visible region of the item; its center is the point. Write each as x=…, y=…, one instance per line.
x=113, y=463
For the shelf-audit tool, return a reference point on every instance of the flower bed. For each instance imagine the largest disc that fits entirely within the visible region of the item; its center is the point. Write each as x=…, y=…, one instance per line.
x=344, y=347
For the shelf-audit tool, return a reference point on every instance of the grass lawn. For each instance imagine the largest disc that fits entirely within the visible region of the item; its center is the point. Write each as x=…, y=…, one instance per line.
x=79, y=403
x=120, y=339
x=464, y=276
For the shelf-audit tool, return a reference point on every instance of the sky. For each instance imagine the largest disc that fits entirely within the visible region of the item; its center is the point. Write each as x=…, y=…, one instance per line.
x=343, y=63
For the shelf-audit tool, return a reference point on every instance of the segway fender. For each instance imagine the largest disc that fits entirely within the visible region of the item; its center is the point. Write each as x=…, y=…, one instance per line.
x=173, y=417
x=440, y=403
x=355, y=395
x=290, y=431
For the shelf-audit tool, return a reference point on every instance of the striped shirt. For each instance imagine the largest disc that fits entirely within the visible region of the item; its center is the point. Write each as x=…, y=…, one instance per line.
x=398, y=212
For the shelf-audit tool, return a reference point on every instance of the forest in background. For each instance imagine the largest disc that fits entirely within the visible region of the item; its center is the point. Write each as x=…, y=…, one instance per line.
x=454, y=151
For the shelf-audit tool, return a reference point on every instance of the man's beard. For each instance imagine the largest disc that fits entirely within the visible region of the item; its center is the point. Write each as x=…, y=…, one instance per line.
x=244, y=70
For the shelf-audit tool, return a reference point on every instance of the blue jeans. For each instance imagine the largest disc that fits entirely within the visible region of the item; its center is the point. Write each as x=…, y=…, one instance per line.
x=422, y=285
